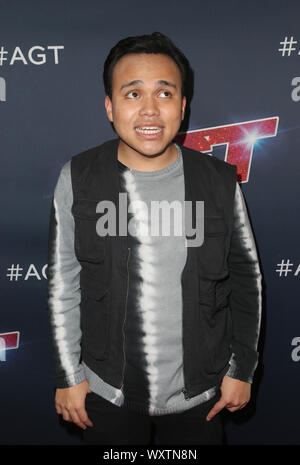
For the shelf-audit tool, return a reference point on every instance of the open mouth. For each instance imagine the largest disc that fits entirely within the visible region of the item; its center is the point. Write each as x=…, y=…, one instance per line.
x=148, y=130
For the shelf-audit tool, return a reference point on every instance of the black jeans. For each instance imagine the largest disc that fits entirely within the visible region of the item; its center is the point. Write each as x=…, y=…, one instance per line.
x=120, y=425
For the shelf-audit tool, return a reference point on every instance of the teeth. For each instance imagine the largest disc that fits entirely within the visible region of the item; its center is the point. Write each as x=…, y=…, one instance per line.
x=148, y=130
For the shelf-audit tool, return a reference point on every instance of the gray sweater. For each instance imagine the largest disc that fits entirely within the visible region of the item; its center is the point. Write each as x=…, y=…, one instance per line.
x=153, y=378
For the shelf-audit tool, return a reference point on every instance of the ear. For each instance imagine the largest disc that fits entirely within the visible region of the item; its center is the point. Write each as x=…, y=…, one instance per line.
x=183, y=105
x=108, y=108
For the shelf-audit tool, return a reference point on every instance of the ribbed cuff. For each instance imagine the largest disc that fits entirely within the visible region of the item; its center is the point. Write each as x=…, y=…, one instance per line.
x=70, y=380
x=237, y=371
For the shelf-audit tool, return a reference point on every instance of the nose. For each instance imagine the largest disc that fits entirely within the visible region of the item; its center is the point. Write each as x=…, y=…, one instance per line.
x=149, y=107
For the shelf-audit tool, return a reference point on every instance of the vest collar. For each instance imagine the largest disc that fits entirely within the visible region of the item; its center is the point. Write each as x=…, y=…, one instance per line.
x=110, y=168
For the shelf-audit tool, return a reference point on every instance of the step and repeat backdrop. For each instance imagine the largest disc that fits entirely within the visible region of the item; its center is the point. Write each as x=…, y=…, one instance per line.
x=245, y=110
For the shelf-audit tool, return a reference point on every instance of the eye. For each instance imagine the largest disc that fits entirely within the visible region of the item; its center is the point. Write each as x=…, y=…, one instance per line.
x=165, y=92
x=132, y=94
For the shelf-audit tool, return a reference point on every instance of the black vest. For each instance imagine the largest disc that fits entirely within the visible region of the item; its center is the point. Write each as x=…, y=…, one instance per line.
x=206, y=315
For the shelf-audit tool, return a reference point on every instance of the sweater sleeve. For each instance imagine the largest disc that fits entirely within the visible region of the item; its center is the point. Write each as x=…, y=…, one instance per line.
x=63, y=286
x=246, y=296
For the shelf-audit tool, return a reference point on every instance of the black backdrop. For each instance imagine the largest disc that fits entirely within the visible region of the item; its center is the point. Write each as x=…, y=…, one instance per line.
x=245, y=109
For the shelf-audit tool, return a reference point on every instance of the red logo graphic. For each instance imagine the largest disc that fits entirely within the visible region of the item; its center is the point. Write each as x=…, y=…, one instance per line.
x=8, y=341
x=239, y=139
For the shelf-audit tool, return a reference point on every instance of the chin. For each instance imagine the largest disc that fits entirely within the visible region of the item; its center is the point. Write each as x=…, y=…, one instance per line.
x=152, y=152
x=151, y=148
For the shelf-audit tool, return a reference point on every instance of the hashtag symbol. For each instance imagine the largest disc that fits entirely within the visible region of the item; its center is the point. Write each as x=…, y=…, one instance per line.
x=2, y=53
x=287, y=46
x=14, y=272
x=284, y=267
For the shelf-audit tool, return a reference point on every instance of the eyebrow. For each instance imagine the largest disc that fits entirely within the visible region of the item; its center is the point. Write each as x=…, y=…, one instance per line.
x=161, y=82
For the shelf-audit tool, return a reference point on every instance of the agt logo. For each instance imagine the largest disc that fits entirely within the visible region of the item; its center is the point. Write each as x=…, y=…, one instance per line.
x=8, y=341
x=239, y=139
x=32, y=55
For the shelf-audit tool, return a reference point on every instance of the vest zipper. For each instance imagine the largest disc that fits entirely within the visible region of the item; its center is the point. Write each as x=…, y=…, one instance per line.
x=125, y=319
x=185, y=394
x=183, y=389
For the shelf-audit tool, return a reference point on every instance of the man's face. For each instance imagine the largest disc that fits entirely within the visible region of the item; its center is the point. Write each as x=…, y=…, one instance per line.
x=146, y=106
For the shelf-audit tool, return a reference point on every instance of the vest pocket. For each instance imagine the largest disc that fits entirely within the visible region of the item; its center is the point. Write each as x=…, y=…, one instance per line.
x=221, y=347
x=215, y=317
x=214, y=226
x=223, y=291
x=89, y=246
x=95, y=321
x=211, y=254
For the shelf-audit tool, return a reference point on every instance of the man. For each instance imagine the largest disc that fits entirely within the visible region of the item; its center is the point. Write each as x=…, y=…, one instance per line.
x=150, y=329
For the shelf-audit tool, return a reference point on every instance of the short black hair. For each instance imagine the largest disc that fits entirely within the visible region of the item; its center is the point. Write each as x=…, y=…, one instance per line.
x=150, y=43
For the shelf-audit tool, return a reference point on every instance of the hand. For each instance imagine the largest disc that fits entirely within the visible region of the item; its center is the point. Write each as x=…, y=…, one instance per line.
x=70, y=403
x=235, y=395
